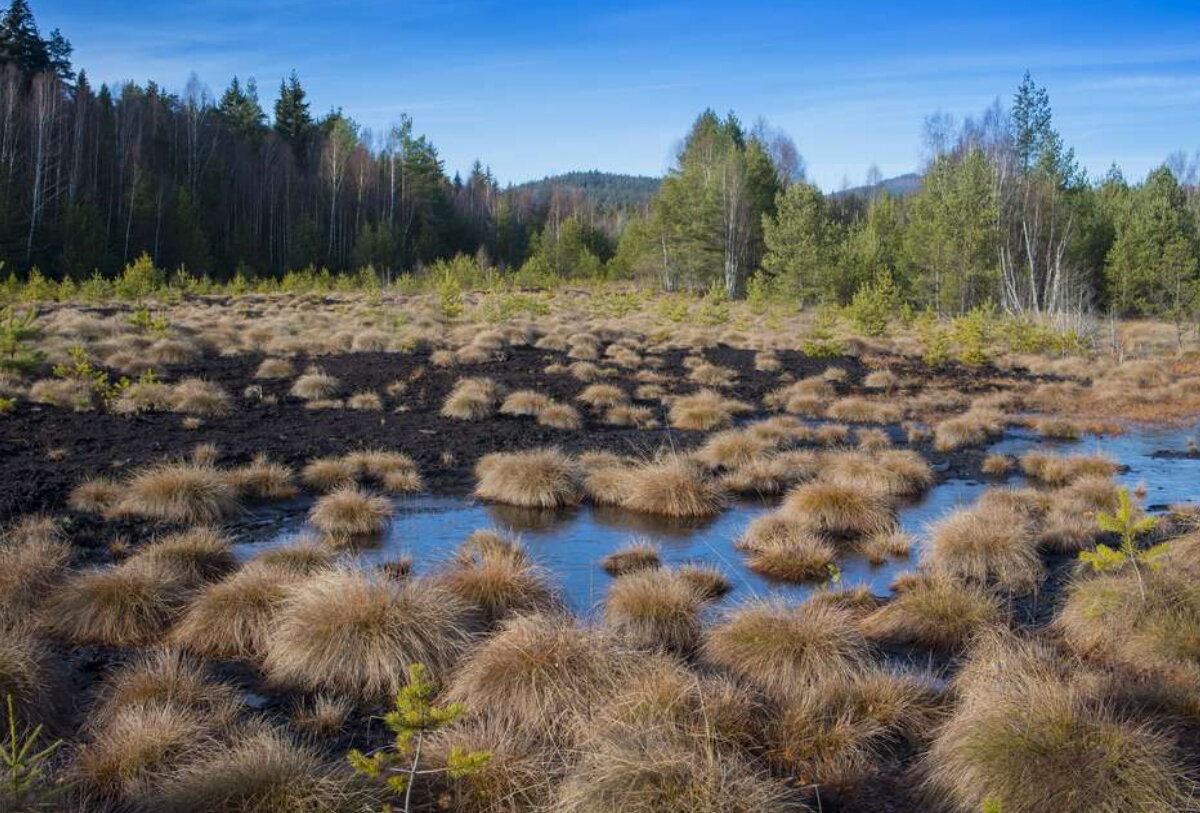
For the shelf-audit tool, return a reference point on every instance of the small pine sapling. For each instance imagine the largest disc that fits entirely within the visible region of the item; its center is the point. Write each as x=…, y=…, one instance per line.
x=1129, y=523
x=414, y=715
x=23, y=764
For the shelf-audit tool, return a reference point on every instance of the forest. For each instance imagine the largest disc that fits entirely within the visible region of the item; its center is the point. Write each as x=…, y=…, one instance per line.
x=214, y=186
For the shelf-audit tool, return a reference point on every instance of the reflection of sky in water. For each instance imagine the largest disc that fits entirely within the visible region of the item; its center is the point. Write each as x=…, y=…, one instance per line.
x=571, y=543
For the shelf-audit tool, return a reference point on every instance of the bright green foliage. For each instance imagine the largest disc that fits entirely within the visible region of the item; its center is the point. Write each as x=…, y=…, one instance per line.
x=16, y=329
x=971, y=333
x=935, y=339
x=706, y=221
x=992, y=805
x=7, y=405
x=714, y=308
x=414, y=715
x=450, y=298
x=821, y=341
x=801, y=243
x=873, y=305
x=81, y=368
x=503, y=307
x=1153, y=265
x=673, y=309
x=23, y=761
x=140, y=279
x=951, y=236
x=144, y=321
x=38, y=289
x=1129, y=523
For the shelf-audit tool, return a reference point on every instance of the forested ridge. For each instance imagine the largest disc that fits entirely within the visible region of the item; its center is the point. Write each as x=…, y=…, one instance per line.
x=227, y=184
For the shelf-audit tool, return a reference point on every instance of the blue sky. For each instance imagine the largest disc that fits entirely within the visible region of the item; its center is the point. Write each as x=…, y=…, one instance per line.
x=535, y=88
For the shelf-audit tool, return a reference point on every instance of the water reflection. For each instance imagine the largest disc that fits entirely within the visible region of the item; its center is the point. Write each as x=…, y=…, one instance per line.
x=572, y=542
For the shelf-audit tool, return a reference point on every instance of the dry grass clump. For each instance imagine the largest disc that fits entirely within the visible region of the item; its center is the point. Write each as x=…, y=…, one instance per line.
x=839, y=510
x=998, y=464
x=707, y=580
x=633, y=557
x=26, y=677
x=324, y=716
x=125, y=605
x=1146, y=622
x=872, y=440
x=524, y=403
x=68, y=393
x=732, y=448
x=766, y=361
x=196, y=396
x=178, y=492
x=263, y=480
x=167, y=677
x=608, y=483
x=348, y=632
x=497, y=577
x=365, y=401
x=315, y=385
x=934, y=613
x=880, y=380
x=1027, y=739
x=802, y=558
x=520, y=774
x=471, y=399
x=232, y=618
x=272, y=368
x=672, y=487
x=395, y=471
x=814, y=387
x=972, y=428
x=1060, y=428
x=713, y=375
x=893, y=472
x=839, y=734
x=878, y=548
x=96, y=495
x=540, y=478
x=989, y=545
x=329, y=473
x=137, y=748
x=302, y=558
x=832, y=434
x=542, y=674
x=560, y=416
x=350, y=513
x=654, y=609
x=1056, y=470
x=602, y=396
x=767, y=475
x=771, y=529
x=860, y=410
x=629, y=415
x=33, y=560
x=192, y=557
x=704, y=411
x=655, y=775
x=263, y=772
x=782, y=648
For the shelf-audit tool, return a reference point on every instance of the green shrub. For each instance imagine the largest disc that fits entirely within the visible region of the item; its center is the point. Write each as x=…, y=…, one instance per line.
x=873, y=305
x=140, y=279
x=972, y=333
x=16, y=329
x=714, y=308
x=821, y=341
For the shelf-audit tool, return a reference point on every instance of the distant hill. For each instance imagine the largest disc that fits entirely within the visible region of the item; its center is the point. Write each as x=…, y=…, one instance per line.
x=900, y=187
x=609, y=190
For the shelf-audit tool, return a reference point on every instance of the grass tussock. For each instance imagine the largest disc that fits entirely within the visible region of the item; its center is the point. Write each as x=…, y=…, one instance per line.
x=781, y=648
x=524, y=403
x=232, y=619
x=496, y=577
x=347, y=632
x=193, y=557
x=933, y=613
x=631, y=558
x=878, y=548
x=542, y=674
x=329, y=473
x=732, y=449
x=839, y=510
x=263, y=771
x=560, y=416
x=1026, y=739
x=26, y=676
x=973, y=428
x=707, y=580
x=655, y=609
x=31, y=566
x=987, y=546
x=131, y=604
x=1056, y=470
x=860, y=410
x=891, y=472
x=96, y=495
x=350, y=513
x=301, y=558
x=672, y=487
x=471, y=399
x=541, y=478
x=315, y=385
x=802, y=557
x=840, y=734
x=704, y=411
x=167, y=678
x=263, y=480
x=179, y=492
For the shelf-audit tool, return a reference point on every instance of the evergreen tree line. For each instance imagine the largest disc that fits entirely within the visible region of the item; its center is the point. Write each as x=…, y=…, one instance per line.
x=1004, y=216
x=91, y=178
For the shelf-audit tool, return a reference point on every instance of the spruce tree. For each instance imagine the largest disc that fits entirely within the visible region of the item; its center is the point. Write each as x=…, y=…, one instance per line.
x=292, y=118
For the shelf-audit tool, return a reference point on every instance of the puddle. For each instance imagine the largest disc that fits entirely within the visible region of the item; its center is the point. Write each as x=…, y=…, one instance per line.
x=571, y=542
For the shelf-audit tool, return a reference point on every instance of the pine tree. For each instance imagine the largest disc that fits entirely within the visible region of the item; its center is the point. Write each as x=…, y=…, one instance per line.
x=240, y=109
x=20, y=42
x=292, y=118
